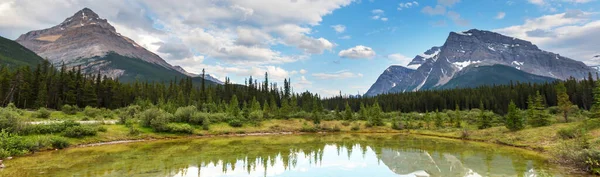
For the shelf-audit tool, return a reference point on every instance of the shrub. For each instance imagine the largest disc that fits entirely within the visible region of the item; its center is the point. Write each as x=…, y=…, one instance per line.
x=59, y=142
x=160, y=120
x=184, y=114
x=308, y=128
x=49, y=128
x=146, y=117
x=128, y=113
x=43, y=113
x=465, y=134
x=12, y=107
x=346, y=123
x=70, y=110
x=218, y=117
x=256, y=116
x=397, y=125
x=568, y=133
x=10, y=121
x=206, y=123
x=236, y=122
x=198, y=118
x=12, y=144
x=80, y=131
x=101, y=129
x=180, y=128
x=355, y=127
x=91, y=112
x=134, y=131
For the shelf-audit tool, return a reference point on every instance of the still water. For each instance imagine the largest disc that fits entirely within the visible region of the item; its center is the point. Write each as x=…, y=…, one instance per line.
x=371, y=155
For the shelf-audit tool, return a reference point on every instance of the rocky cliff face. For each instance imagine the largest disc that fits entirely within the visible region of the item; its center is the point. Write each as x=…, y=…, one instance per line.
x=84, y=39
x=389, y=78
x=473, y=48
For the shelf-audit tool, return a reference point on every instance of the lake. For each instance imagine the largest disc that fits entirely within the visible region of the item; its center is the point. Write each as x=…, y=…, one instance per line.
x=371, y=155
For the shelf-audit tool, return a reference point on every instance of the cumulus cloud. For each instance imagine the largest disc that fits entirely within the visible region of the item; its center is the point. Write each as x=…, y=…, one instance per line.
x=437, y=10
x=357, y=52
x=339, y=28
x=228, y=30
x=407, y=5
x=568, y=34
x=378, y=14
x=344, y=74
x=303, y=71
x=500, y=15
x=301, y=84
x=399, y=59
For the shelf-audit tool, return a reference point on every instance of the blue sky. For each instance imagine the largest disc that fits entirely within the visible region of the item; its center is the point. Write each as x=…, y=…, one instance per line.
x=324, y=46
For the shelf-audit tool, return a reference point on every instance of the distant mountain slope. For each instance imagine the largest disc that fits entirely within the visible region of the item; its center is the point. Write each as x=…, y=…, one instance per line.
x=492, y=75
x=89, y=41
x=439, y=65
x=388, y=79
x=13, y=54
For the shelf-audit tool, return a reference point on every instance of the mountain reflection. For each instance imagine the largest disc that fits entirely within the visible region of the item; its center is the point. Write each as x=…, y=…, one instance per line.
x=300, y=155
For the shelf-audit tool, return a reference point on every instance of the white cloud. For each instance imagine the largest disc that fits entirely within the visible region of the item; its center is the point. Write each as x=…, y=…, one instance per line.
x=377, y=11
x=407, y=5
x=569, y=34
x=457, y=19
x=448, y=3
x=233, y=32
x=346, y=37
x=438, y=10
x=399, y=59
x=339, y=28
x=301, y=84
x=384, y=19
x=344, y=74
x=537, y=2
x=500, y=15
x=303, y=71
x=357, y=52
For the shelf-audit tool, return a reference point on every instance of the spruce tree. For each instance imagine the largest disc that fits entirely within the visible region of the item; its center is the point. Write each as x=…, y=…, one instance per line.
x=564, y=103
x=514, y=121
x=539, y=117
x=439, y=121
x=348, y=112
x=376, y=115
x=484, y=119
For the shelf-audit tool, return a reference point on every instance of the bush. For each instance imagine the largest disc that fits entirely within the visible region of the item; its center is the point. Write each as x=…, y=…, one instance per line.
x=256, y=116
x=59, y=142
x=236, y=122
x=218, y=117
x=346, y=123
x=308, y=128
x=184, y=114
x=134, y=131
x=12, y=107
x=206, y=123
x=355, y=127
x=91, y=112
x=198, y=118
x=70, y=110
x=569, y=133
x=11, y=121
x=160, y=121
x=80, y=131
x=128, y=113
x=148, y=116
x=49, y=128
x=43, y=113
x=180, y=128
x=12, y=144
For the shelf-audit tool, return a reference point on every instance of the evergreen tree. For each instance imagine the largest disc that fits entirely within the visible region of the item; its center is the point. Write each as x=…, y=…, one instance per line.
x=514, y=121
x=564, y=103
x=233, y=109
x=457, y=117
x=376, y=115
x=539, y=117
x=439, y=121
x=484, y=119
x=348, y=113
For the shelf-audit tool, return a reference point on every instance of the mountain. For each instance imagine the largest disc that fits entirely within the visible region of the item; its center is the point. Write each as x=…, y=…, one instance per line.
x=14, y=54
x=463, y=51
x=89, y=41
x=492, y=75
x=389, y=78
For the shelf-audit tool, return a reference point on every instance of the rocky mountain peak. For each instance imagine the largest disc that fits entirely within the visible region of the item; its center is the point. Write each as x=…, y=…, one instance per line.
x=85, y=17
x=488, y=37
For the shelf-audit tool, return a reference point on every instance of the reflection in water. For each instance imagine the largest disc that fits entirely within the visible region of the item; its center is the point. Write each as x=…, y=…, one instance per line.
x=305, y=155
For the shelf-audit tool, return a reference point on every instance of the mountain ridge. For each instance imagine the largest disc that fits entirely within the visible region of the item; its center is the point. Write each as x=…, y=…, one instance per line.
x=438, y=65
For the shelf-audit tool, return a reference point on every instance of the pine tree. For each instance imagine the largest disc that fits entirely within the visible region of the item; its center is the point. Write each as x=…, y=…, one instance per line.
x=348, y=113
x=514, y=121
x=233, y=109
x=564, y=103
x=538, y=116
x=596, y=103
x=484, y=119
x=439, y=121
x=376, y=115
x=457, y=117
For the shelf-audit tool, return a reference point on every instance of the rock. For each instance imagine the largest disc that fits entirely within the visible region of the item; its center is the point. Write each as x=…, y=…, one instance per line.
x=1, y=164
x=463, y=50
x=9, y=158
